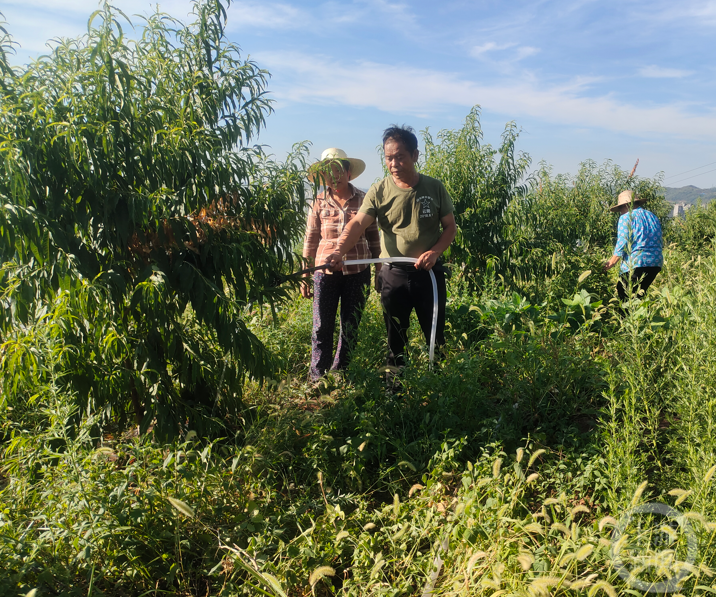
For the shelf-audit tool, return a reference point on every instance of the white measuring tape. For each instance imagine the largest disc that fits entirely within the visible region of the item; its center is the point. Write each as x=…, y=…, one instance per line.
x=434, y=326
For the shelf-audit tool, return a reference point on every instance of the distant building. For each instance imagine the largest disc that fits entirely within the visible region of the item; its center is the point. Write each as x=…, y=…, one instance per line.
x=680, y=210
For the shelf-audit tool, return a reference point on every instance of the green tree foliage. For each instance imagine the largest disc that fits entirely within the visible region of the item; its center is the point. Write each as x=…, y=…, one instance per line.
x=128, y=174
x=564, y=227
x=481, y=181
x=697, y=230
x=535, y=231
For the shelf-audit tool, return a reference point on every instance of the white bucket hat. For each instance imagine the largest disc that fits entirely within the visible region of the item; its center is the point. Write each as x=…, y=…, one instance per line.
x=626, y=198
x=333, y=153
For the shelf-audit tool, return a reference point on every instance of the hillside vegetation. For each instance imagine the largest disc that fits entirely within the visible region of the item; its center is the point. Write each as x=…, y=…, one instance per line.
x=158, y=435
x=689, y=195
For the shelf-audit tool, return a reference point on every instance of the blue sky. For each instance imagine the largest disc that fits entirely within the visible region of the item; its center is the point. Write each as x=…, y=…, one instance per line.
x=583, y=79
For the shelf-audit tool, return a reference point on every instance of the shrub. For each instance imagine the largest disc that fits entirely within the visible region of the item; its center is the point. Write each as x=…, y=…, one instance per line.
x=481, y=182
x=127, y=163
x=697, y=230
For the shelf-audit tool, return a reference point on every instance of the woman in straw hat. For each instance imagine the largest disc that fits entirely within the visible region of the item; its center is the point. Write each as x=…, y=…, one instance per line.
x=332, y=209
x=638, y=245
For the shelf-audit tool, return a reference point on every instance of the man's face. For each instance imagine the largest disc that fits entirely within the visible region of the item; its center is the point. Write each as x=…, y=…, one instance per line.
x=399, y=161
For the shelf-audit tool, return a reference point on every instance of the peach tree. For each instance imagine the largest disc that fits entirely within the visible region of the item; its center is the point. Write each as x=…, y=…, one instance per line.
x=131, y=194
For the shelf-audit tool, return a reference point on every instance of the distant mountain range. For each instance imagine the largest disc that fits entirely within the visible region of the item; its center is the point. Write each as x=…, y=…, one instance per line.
x=689, y=195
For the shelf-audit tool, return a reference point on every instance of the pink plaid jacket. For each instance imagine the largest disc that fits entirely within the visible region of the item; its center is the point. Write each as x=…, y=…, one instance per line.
x=327, y=220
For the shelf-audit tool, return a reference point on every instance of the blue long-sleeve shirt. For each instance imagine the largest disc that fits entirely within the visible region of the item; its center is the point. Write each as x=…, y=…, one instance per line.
x=639, y=242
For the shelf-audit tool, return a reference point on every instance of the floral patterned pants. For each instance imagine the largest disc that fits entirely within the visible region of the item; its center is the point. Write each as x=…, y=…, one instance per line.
x=328, y=290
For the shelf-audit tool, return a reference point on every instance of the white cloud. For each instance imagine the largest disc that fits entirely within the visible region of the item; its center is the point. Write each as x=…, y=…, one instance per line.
x=490, y=48
x=285, y=16
x=703, y=11
x=398, y=12
x=318, y=79
x=658, y=72
x=76, y=6
x=85, y=8
x=267, y=15
x=525, y=51
x=34, y=22
x=666, y=12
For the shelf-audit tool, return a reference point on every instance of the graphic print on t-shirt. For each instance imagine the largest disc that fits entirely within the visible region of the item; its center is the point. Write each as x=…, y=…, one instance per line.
x=425, y=203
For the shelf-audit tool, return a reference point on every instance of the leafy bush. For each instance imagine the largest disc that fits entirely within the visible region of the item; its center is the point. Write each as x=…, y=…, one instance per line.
x=481, y=182
x=563, y=227
x=697, y=230
x=538, y=232
x=126, y=163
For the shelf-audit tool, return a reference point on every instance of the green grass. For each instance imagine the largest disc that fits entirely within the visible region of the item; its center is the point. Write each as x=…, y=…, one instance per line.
x=519, y=465
x=505, y=469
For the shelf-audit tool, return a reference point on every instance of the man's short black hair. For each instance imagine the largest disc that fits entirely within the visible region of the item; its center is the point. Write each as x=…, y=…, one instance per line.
x=404, y=134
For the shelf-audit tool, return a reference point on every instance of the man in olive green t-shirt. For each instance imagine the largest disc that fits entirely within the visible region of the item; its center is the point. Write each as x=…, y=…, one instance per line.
x=416, y=217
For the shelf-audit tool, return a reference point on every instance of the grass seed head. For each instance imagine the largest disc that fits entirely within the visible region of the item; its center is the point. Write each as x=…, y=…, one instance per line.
x=604, y=586
x=182, y=507
x=496, y=466
x=535, y=456
x=474, y=558
x=607, y=520
x=540, y=586
x=706, y=570
x=526, y=559
x=584, y=552
x=319, y=573
x=638, y=492
x=534, y=527
x=697, y=516
x=577, y=509
x=414, y=488
x=710, y=474
x=579, y=585
x=369, y=526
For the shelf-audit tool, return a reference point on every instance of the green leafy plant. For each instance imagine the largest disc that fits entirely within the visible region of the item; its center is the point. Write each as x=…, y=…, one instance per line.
x=127, y=163
x=482, y=182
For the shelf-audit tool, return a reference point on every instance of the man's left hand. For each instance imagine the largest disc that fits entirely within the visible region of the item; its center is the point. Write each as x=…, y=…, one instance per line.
x=427, y=260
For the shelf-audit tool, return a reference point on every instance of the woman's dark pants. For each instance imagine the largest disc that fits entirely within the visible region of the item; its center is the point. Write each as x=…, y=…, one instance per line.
x=636, y=281
x=328, y=290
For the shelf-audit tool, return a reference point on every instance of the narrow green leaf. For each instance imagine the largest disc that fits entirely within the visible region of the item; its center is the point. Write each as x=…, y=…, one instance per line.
x=183, y=507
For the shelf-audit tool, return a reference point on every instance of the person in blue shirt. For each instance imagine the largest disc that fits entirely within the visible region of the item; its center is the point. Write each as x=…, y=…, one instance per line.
x=639, y=246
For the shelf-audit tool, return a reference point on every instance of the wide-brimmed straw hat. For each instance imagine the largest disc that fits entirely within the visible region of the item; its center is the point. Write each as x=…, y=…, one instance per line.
x=626, y=198
x=333, y=153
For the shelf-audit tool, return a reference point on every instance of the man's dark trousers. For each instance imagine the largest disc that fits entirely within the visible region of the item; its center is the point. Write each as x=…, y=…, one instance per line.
x=404, y=288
